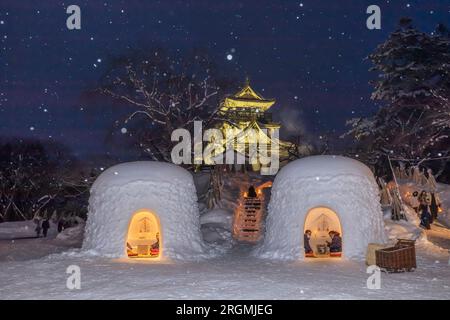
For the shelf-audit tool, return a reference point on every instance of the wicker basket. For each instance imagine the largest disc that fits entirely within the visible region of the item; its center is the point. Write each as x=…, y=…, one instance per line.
x=370, y=253
x=400, y=258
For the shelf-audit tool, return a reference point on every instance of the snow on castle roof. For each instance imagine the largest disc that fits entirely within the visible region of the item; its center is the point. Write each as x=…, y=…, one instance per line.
x=142, y=171
x=324, y=166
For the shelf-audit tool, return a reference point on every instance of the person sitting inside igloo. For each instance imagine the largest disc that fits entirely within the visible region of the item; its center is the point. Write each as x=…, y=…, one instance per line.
x=308, y=250
x=336, y=244
x=154, y=251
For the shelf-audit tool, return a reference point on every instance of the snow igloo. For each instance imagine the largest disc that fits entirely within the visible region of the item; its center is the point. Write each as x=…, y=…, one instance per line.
x=322, y=194
x=144, y=210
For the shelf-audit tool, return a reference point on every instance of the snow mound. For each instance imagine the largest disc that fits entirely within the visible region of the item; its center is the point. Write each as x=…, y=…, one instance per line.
x=324, y=167
x=129, y=172
x=444, y=193
x=409, y=229
x=404, y=229
x=72, y=234
x=165, y=190
x=344, y=185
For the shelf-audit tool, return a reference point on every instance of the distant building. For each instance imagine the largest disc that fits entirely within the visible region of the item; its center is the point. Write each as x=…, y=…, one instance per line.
x=246, y=113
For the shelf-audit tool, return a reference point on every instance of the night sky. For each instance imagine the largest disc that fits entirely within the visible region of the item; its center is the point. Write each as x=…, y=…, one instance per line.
x=309, y=55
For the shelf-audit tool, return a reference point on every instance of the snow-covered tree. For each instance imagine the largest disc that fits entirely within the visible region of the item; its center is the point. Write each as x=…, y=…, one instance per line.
x=162, y=92
x=397, y=207
x=414, y=89
x=297, y=147
x=213, y=194
x=385, y=195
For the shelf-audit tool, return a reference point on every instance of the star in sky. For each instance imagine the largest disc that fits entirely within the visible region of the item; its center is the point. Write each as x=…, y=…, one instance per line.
x=312, y=50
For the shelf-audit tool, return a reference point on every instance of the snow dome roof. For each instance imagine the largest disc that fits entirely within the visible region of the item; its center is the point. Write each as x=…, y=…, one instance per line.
x=163, y=193
x=324, y=166
x=333, y=185
x=141, y=171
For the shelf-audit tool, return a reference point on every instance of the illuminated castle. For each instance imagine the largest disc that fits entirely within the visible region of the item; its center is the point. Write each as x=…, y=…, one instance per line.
x=246, y=112
x=246, y=108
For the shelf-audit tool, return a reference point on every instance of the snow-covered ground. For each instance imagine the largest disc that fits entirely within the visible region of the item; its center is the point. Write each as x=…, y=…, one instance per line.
x=29, y=272
x=36, y=268
x=233, y=276
x=23, y=229
x=18, y=241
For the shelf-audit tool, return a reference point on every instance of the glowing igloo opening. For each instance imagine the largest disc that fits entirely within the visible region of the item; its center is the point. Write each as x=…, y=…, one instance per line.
x=320, y=222
x=144, y=235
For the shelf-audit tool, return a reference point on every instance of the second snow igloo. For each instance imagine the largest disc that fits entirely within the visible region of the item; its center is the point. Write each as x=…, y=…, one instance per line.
x=144, y=209
x=322, y=194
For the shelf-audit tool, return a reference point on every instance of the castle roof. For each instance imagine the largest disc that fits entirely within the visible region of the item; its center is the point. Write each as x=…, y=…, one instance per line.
x=247, y=98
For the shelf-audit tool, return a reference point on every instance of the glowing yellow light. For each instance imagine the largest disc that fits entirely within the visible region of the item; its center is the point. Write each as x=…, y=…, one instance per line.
x=144, y=237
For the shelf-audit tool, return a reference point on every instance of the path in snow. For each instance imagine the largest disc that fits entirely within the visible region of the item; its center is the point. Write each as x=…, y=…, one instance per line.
x=33, y=248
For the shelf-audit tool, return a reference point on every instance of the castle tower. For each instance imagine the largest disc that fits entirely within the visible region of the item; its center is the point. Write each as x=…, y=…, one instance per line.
x=243, y=111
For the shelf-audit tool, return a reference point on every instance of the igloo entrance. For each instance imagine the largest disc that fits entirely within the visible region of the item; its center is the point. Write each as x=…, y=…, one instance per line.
x=144, y=235
x=324, y=228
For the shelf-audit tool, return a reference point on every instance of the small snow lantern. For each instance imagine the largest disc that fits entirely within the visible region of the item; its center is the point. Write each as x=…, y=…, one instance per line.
x=331, y=196
x=144, y=210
